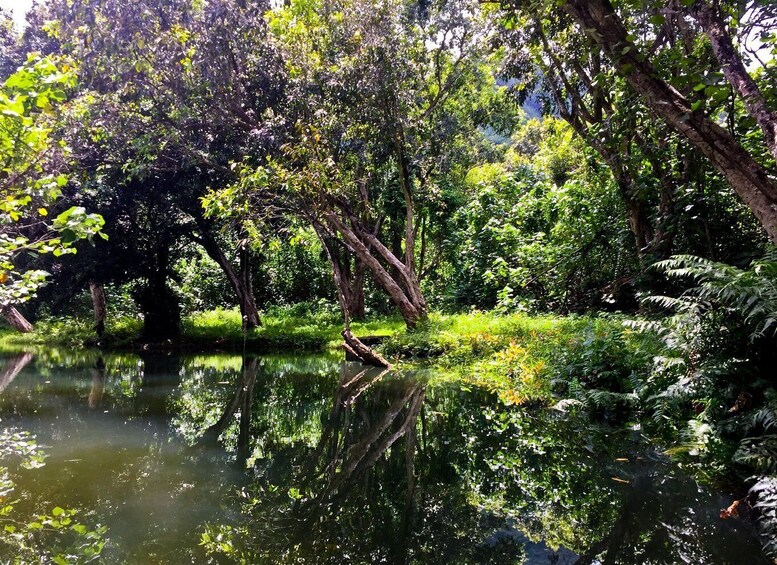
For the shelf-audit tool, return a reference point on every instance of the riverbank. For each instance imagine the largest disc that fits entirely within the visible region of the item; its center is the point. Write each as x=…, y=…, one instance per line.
x=290, y=329
x=518, y=355
x=617, y=377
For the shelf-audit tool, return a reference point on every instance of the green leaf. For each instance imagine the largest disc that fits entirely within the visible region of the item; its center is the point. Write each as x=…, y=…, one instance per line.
x=68, y=236
x=657, y=19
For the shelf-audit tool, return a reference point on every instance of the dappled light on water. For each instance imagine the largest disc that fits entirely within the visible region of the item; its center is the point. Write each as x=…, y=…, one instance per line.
x=306, y=458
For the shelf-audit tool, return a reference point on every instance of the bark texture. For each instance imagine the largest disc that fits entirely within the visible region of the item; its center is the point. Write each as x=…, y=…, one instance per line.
x=15, y=319
x=734, y=70
x=363, y=352
x=352, y=344
x=747, y=177
x=397, y=279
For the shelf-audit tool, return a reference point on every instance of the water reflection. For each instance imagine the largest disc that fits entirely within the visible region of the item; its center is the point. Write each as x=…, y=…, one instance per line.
x=13, y=366
x=240, y=404
x=98, y=384
x=307, y=459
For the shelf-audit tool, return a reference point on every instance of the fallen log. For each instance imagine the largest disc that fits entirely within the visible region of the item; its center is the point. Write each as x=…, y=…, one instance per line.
x=15, y=319
x=362, y=352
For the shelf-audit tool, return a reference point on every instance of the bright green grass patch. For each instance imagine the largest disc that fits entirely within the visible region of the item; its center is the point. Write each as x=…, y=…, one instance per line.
x=283, y=329
x=72, y=332
x=280, y=330
x=518, y=356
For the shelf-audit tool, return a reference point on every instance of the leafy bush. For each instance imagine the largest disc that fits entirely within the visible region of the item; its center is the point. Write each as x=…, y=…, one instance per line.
x=716, y=373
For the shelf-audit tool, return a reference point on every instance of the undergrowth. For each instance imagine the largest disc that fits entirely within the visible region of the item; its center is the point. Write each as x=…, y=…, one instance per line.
x=711, y=393
x=517, y=355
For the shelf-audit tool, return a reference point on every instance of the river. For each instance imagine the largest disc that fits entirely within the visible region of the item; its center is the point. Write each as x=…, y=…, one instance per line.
x=308, y=459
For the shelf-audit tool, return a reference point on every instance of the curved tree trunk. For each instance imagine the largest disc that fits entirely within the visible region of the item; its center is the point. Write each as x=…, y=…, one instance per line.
x=352, y=344
x=15, y=319
x=403, y=288
x=240, y=282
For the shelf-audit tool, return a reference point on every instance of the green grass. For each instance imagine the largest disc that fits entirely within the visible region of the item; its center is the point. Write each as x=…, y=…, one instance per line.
x=516, y=355
x=283, y=329
x=73, y=332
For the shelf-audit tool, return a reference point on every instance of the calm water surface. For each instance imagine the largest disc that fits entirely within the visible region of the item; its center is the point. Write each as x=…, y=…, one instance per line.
x=309, y=459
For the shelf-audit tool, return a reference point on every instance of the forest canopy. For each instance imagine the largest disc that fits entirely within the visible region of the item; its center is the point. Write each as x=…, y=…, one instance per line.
x=595, y=179
x=531, y=155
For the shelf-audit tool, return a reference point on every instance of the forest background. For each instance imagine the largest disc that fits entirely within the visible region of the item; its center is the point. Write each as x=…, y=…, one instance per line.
x=568, y=200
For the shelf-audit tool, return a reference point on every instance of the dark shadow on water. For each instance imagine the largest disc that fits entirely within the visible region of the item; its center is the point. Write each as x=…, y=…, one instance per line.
x=308, y=459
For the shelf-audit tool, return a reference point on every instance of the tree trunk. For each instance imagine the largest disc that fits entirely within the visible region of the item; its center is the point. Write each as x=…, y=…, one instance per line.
x=247, y=301
x=351, y=279
x=735, y=72
x=356, y=348
x=240, y=283
x=405, y=292
x=352, y=344
x=636, y=215
x=98, y=303
x=356, y=299
x=748, y=178
x=160, y=306
x=613, y=152
x=15, y=319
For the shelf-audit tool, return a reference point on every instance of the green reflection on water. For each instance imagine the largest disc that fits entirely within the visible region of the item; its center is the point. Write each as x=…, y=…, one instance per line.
x=308, y=459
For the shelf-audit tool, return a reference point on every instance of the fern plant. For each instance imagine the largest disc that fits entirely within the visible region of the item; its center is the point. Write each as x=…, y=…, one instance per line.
x=721, y=332
x=752, y=292
x=713, y=385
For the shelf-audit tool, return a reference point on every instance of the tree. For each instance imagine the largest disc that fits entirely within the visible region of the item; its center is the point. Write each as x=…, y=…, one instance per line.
x=161, y=105
x=653, y=165
x=381, y=119
x=32, y=180
x=632, y=58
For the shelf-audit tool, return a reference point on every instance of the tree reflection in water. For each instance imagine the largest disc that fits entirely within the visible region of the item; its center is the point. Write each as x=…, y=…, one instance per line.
x=338, y=464
x=397, y=470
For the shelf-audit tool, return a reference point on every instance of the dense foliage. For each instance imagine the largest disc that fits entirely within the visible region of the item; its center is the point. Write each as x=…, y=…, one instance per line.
x=412, y=159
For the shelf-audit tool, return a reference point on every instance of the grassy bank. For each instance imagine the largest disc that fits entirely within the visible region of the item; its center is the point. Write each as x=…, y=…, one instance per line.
x=526, y=359
x=522, y=357
x=289, y=329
